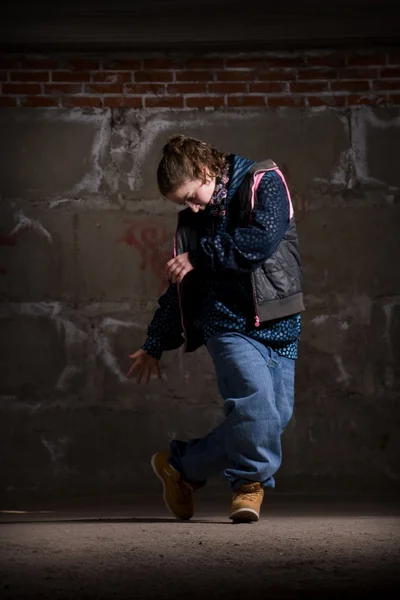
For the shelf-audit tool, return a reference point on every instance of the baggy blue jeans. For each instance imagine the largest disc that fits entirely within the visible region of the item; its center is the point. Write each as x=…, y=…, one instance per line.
x=257, y=386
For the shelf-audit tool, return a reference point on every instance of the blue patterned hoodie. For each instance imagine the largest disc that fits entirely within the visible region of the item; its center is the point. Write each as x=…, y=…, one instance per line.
x=225, y=258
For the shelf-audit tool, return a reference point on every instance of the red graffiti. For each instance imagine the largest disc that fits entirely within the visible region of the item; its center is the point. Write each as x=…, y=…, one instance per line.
x=150, y=241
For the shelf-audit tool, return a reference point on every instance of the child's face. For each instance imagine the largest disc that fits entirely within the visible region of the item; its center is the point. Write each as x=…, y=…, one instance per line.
x=194, y=193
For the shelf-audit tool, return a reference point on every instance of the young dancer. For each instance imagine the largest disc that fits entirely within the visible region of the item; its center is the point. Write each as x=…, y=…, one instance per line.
x=235, y=286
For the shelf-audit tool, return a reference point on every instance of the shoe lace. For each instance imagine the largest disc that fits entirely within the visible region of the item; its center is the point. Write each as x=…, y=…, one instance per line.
x=253, y=495
x=248, y=495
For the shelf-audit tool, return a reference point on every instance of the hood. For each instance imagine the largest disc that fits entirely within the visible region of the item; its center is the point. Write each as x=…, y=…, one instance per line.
x=240, y=168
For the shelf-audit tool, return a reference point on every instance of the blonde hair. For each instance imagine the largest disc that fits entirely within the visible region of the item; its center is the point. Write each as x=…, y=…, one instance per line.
x=185, y=159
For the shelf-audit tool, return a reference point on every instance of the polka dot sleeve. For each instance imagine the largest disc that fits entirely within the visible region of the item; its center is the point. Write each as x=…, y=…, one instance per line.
x=165, y=329
x=246, y=248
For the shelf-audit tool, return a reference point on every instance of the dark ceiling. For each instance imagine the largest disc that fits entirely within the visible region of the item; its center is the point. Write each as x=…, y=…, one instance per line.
x=209, y=25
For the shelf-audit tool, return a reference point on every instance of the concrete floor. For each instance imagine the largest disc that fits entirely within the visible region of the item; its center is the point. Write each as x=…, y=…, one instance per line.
x=132, y=548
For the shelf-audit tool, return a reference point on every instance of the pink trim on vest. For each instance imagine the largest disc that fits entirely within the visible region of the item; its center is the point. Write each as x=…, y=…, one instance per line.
x=291, y=211
x=256, y=182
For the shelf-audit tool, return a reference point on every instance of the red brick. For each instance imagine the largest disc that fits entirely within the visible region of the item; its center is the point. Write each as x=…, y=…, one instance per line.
x=186, y=88
x=76, y=101
x=153, y=76
x=29, y=76
x=239, y=101
x=62, y=88
x=160, y=63
x=285, y=61
x=367, y=59
x=81, y=64
x=8, y=101
x=133, y=102
x=115, y=77
x=317, y=73
x=265, y=88
x=121, y=101
x=392, y=72
x=276, y=101
x=166, y=102
x=349, y=86
x=22, y=88
x=317, y=101
x=145, y=88
x=235, y=75
x=103, y=88
x=305, y=87
x=244, y=63
x=354, y=73
x=326, y=61
x=194, y=76
x=204, y=101
x=3, y=75
x=227, y=88
x=211, y=63
x=394, y=58
x=276, y=75
x=68, y=76
x=387, y=84
x=39, y=101
x=122, y=65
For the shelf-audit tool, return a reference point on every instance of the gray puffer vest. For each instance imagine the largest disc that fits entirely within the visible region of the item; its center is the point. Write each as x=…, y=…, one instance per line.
x=277, y=284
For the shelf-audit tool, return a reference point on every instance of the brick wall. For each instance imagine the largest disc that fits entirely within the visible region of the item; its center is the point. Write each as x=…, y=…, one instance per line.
x=306, y=79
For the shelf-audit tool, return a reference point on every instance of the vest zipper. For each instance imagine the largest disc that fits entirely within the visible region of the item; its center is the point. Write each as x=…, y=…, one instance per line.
x=253, y=287
x=256, y=316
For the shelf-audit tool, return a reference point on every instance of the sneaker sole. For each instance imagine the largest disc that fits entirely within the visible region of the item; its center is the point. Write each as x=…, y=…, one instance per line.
x=245, y=515
x=153, y=466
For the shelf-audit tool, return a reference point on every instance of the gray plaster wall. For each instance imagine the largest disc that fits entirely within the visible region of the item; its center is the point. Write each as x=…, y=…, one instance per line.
x=84, y=238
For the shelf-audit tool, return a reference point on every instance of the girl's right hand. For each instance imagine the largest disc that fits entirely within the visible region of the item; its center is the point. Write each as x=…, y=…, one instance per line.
x=144, y=364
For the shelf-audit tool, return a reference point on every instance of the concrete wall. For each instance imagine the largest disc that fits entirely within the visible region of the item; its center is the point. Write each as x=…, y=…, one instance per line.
x=85, y=236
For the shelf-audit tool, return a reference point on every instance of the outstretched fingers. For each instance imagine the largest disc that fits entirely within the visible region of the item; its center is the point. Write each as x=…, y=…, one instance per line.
x=144, y=365
x=133, y=367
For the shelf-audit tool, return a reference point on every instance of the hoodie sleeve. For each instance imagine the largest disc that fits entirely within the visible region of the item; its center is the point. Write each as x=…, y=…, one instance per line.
x=165, y=329
x=246, y=248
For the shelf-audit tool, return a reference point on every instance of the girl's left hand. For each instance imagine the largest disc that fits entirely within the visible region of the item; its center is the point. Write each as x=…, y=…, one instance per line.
x=178, y=267
x=144, y=365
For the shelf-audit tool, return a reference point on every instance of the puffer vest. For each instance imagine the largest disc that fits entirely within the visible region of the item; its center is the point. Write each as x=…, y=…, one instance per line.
x=276, y=284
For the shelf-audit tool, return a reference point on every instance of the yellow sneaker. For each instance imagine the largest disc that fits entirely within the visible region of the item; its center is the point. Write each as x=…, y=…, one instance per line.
x=246, y=503
x=178, y=494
